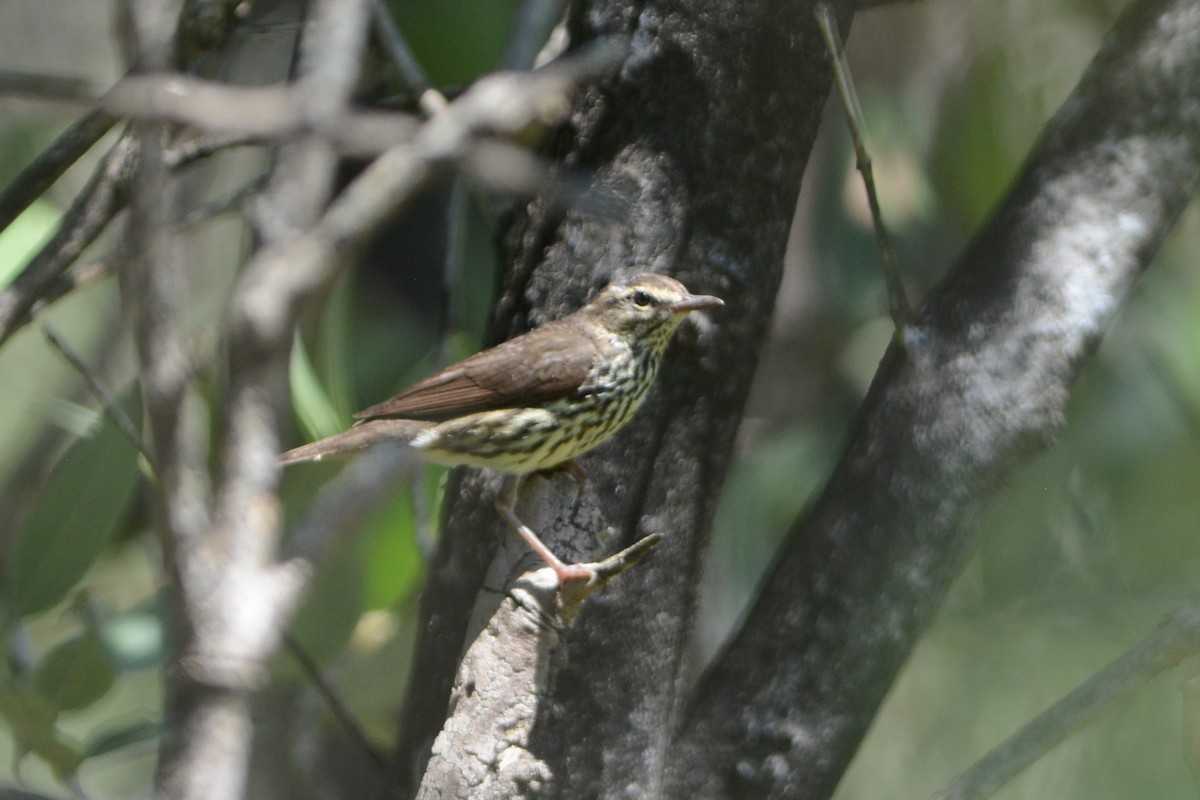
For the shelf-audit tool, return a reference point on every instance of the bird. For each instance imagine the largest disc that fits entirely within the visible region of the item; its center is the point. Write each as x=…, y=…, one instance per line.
x=535, y=402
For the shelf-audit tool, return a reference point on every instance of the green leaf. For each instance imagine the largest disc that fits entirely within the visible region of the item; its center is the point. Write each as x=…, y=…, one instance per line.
x=20, y=240
x=394, y=565
x=32, y=721
x=314, y=409
x=74, y=518
x=327, y=618
x=331, y=349
x=76, y=673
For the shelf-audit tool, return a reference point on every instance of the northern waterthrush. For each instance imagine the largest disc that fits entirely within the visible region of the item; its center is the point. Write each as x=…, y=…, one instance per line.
x=537, y=401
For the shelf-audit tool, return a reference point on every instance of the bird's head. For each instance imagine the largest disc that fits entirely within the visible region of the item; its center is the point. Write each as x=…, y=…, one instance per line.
x=647, y=306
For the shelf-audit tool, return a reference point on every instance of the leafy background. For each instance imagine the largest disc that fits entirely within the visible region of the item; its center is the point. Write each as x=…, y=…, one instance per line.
x=1092, y=544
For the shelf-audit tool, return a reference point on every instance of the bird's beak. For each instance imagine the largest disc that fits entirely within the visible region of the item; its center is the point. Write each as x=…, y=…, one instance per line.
x=696, y=301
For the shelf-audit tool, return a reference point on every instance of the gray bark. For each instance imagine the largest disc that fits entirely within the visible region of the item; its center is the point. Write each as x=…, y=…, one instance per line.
x=697, y=147
x=703, y=134
x=979, y=380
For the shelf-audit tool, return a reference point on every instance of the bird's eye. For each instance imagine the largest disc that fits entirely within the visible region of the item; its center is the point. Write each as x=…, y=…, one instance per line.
x=641, y=299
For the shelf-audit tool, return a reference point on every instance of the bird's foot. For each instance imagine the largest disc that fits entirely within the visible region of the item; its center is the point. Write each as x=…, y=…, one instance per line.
x=567, y=573
x=571, y=467
x=576, y=472
x=570, y=573
x=604, y=571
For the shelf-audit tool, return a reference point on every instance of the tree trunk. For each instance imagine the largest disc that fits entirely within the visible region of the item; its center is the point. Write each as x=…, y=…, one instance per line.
x=701, y=138
x=695, y=151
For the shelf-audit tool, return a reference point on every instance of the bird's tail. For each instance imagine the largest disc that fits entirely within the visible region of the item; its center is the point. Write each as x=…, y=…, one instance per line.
x=356, y=440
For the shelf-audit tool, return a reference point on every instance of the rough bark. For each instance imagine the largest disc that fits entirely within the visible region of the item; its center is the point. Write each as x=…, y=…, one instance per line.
x=978, y=380
x=696, y=149
x=704, y=146
x=506, y=674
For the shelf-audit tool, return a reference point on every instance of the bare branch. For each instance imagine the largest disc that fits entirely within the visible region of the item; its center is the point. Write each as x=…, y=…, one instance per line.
x=980, y=381
x=282, y=278
x=312, y=671
x=35, y=179
x=224, y=560
x=108, y=403
x=224, y=204
x=531, y=30
x=88, y=216
x=263, y=112
x=430, y=100
x=181, y=153
x=244, y=115
x=898, y=303
x=485, y=751
x=75, y=278
x=47, y=88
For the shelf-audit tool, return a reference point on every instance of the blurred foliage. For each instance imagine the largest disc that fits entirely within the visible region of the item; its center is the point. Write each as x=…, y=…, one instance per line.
x=1079, y=558
x=19, y=241
x=455, y=40
x=73, y=519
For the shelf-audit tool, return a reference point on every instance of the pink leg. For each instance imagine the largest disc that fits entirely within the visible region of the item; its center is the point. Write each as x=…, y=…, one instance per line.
x=565, y=572
x=576, y=471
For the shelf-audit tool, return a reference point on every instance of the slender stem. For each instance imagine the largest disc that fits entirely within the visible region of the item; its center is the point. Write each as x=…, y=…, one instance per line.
x=47, y=88
x=108, y=403
x=531, y=30
x=93, y=208
x=36, y=178
x=230, y=201
x=349, y=724
x=409, y=69
x=897, y=300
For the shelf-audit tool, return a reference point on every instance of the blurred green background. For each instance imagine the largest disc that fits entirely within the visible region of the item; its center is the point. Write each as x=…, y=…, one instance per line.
x=1087, y=550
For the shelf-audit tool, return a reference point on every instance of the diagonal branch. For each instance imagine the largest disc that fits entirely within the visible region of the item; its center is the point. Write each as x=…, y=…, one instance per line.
x=485, y=750
x=979, y=382
x=36, y=178
x=699, y=152
x=88, y=216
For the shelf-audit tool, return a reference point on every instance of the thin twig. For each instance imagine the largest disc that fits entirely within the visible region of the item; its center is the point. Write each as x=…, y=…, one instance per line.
x=302, y=181
x=897, y=300
x=500, y=105
x=230, y=201
x=48, y=88
x=108, y=403
x=349, y=724
x=39, y=176
x=238, y=115
x=1178, y=638
x=188, y=151
x=76, y=278
x=256, y=111
x=531, y=29
x=91, y=211
x=429, y=99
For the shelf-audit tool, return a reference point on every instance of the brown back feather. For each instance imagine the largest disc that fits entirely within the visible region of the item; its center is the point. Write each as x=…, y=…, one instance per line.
x=537, y=367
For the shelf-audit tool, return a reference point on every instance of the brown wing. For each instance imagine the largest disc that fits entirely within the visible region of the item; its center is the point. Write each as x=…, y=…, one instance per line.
x=536, y=367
